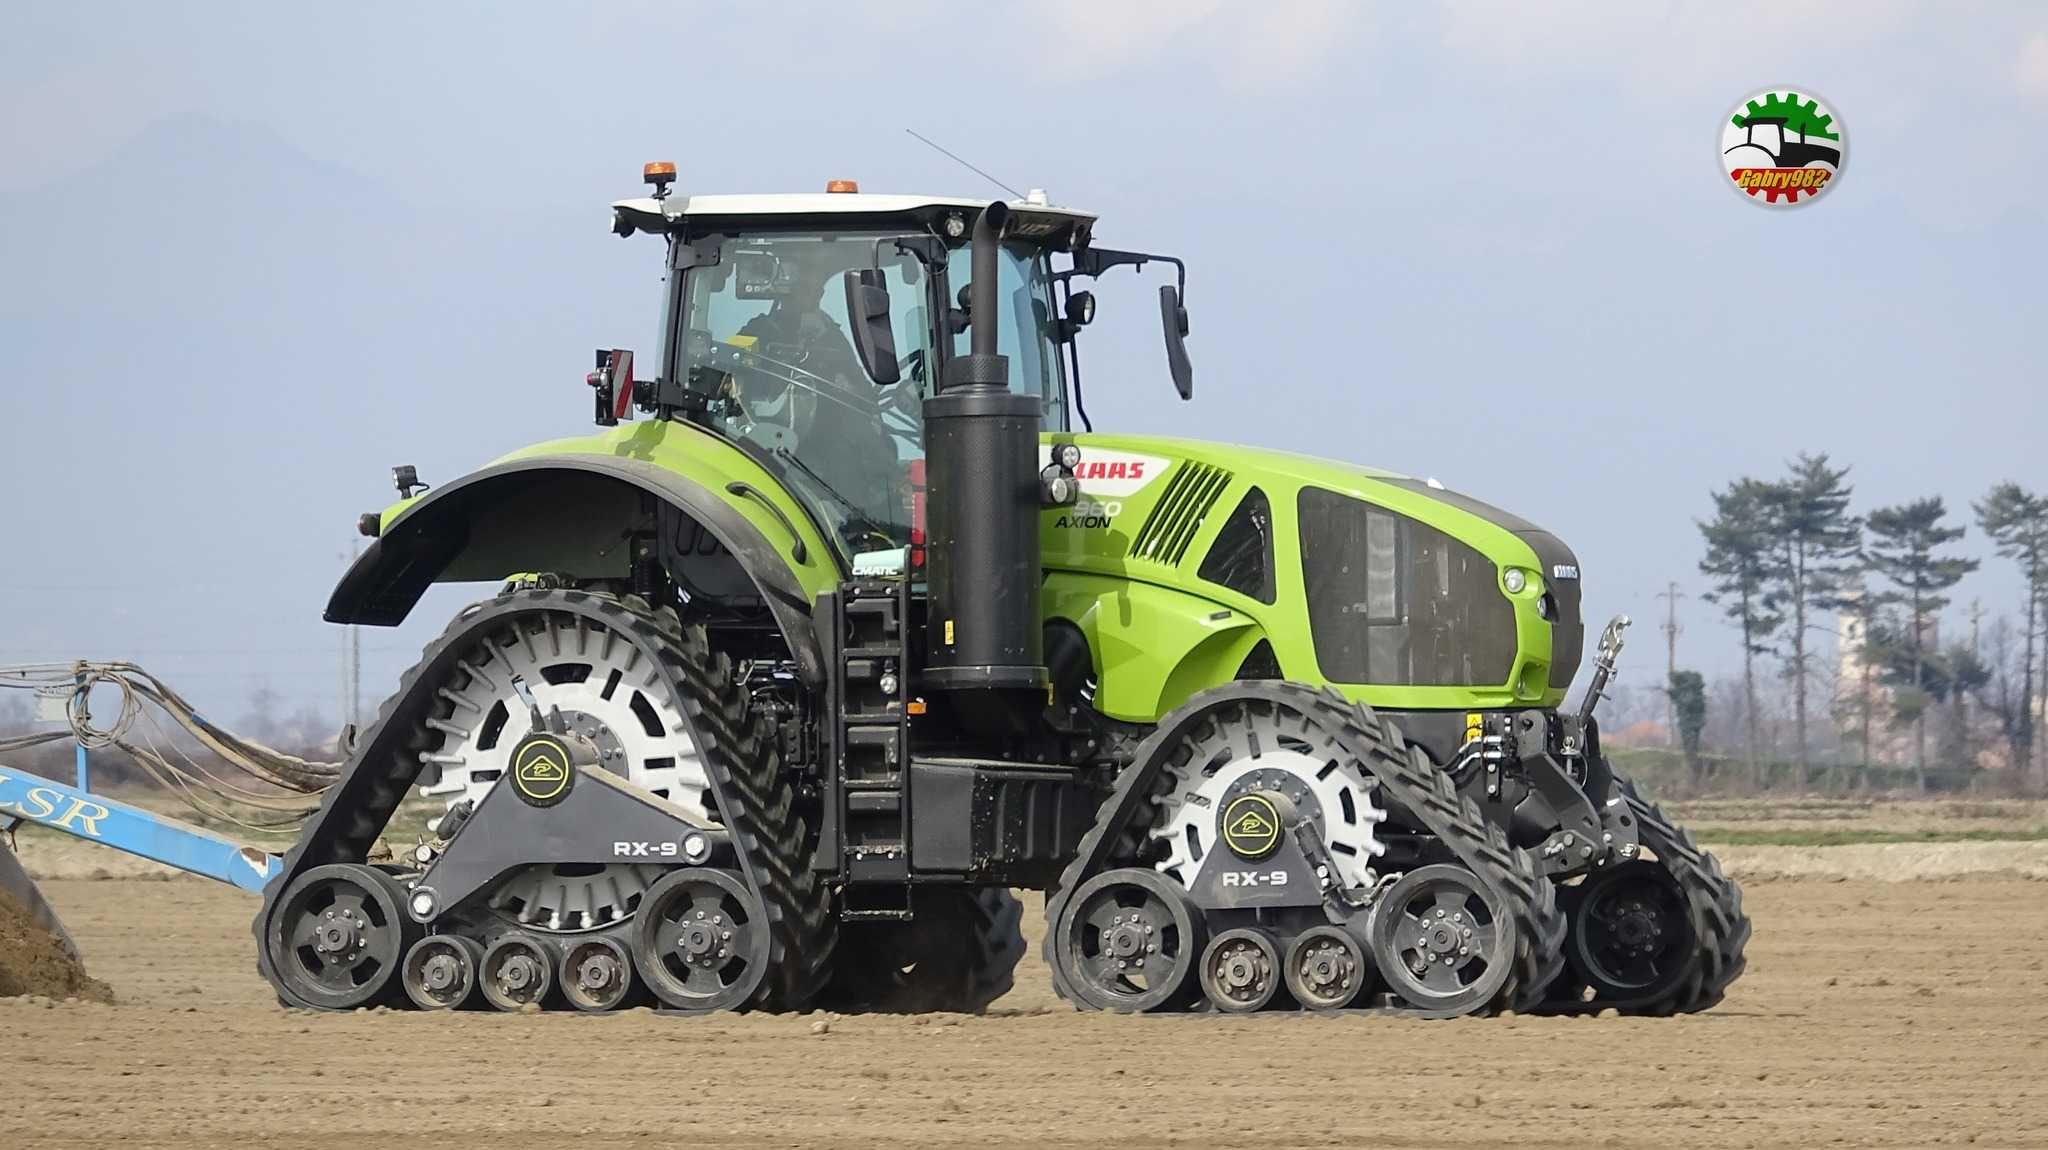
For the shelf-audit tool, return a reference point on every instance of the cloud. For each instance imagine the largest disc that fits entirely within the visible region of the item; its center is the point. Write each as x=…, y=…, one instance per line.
x=2031, y=74
x=1251, y=47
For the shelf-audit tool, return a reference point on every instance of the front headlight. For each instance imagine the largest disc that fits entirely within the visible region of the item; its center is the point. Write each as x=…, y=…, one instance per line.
x=1514, y=579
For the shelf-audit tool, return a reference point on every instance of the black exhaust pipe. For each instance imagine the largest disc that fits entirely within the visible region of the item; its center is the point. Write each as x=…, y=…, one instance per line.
x=981, y=503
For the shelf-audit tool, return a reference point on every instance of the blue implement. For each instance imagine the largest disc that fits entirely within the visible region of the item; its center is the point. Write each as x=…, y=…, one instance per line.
x=98, y=819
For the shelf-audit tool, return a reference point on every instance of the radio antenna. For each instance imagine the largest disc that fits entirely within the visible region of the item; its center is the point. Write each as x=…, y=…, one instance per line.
x=929, y=143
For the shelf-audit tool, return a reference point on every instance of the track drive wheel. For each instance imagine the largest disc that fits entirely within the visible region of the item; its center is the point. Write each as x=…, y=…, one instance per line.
x=339, y=937
x=1128, y=941
x=959, y=954
x=702, y=941
x=1240, y=970
x=1440, y=941
x=1326, y=968
x=440, y=971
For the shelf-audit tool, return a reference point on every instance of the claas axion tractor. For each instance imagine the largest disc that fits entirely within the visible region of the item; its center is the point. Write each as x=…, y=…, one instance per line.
x=837, y=632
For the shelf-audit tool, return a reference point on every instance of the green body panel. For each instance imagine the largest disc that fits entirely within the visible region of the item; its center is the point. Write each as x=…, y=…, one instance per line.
x=1151, y=657
x=1153, y=646
x=1157, y=631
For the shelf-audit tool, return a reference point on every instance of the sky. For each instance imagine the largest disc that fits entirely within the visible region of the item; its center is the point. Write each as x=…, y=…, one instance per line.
x=253, y=255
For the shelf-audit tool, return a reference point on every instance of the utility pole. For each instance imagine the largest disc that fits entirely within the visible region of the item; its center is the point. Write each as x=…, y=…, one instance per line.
x=1671, y=595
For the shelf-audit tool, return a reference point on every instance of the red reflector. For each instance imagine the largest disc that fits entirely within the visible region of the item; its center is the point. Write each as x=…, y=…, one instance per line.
x=622, y=384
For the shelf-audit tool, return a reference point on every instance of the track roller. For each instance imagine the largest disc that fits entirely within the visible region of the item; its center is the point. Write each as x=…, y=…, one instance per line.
x=1241, y=970
x=516, y=972
x=1128, y=940
x=339, y=936
x=596, y=975
x=702, y=941
x=1326, y=968
x=440, y=971
x=1440, y=942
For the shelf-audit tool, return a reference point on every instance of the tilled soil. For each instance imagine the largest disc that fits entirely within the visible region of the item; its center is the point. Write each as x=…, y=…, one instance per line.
x=1873, y=1014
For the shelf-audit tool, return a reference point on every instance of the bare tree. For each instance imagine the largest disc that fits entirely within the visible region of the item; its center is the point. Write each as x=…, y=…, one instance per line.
x=1738, y=559
x=1815, y=540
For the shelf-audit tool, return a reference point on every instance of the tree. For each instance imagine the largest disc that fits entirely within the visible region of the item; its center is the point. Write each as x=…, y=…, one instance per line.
x=1815, y=542
x=2017, y=522
x=1688, y=693
x=1904, y=547
x=1738, y=559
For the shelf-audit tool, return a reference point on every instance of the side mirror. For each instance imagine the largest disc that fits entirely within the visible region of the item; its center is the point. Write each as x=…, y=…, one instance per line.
x=867, y=311
x=1174, y=318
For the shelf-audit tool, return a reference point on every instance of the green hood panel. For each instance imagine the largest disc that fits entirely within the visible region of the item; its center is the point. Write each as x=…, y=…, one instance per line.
x=1151, y=508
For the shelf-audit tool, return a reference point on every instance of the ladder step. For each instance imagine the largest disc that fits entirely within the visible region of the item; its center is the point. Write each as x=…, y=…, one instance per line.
x=873, y=802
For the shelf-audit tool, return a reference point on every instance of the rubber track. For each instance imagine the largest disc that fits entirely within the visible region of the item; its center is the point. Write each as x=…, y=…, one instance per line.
x=762, y=823
x=998, y=947
x=1716, y=905
x=738, y=750
x=1408, y=778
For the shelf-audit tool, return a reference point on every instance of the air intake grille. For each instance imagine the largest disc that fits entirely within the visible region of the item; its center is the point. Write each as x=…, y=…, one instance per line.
x=1175, y=519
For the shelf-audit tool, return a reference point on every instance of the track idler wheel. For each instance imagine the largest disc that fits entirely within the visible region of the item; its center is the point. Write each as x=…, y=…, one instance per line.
x=1326, y=968
x=339, y=936
x=597, y=974
x=1241, y=970
x=516, y=973
x=1630, y=933
x=440, y=971
x=702, y=941
x=1128, y=941
x=1440, y=942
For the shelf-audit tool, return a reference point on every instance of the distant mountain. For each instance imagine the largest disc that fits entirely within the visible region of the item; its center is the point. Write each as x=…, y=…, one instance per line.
x=212, y=347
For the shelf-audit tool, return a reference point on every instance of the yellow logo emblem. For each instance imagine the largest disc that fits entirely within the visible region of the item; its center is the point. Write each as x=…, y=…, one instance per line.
x=541, y=772
x=1251, y=826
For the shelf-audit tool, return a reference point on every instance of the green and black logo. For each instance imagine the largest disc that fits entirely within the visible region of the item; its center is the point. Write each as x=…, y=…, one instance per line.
x=1251, y=826
x=540, y=770
x=1783, y=148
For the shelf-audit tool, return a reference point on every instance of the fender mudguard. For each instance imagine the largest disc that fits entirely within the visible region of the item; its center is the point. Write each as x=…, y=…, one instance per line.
x=562, y=512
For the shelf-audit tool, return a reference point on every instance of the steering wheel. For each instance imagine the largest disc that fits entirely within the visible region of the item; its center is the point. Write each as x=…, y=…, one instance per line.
x=728, y=358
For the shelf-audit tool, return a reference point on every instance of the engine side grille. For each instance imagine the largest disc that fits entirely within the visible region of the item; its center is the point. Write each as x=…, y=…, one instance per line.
x=1177, y=517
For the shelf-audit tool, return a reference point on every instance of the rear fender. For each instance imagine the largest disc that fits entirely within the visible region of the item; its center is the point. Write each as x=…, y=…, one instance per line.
x=580, y=514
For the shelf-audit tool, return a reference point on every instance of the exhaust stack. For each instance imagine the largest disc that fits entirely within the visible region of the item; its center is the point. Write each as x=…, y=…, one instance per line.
x=982, y=503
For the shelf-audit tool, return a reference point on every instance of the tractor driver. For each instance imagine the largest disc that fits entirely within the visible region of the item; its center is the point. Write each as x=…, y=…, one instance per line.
x=834, y=409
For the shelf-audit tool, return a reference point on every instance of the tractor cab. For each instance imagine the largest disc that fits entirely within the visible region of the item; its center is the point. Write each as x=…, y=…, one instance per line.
x=810, y=328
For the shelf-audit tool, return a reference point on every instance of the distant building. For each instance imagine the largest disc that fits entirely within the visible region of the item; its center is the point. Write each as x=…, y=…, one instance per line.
x=1860, y=688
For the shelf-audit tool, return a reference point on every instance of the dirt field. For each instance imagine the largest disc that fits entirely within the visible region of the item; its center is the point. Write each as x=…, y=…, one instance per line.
x=1875, y=1013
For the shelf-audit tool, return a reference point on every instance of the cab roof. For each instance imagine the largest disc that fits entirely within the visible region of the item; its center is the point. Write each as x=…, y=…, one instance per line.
x=1031, y=217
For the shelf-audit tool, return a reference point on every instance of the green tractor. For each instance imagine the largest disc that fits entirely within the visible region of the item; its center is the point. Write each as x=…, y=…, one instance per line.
x=794, y=680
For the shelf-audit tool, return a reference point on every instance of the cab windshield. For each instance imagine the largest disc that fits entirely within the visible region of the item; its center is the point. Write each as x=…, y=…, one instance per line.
x=763, y=342
x=1029, y=333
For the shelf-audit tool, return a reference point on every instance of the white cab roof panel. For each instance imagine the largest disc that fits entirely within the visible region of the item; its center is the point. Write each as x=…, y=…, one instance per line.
x=650, y=214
